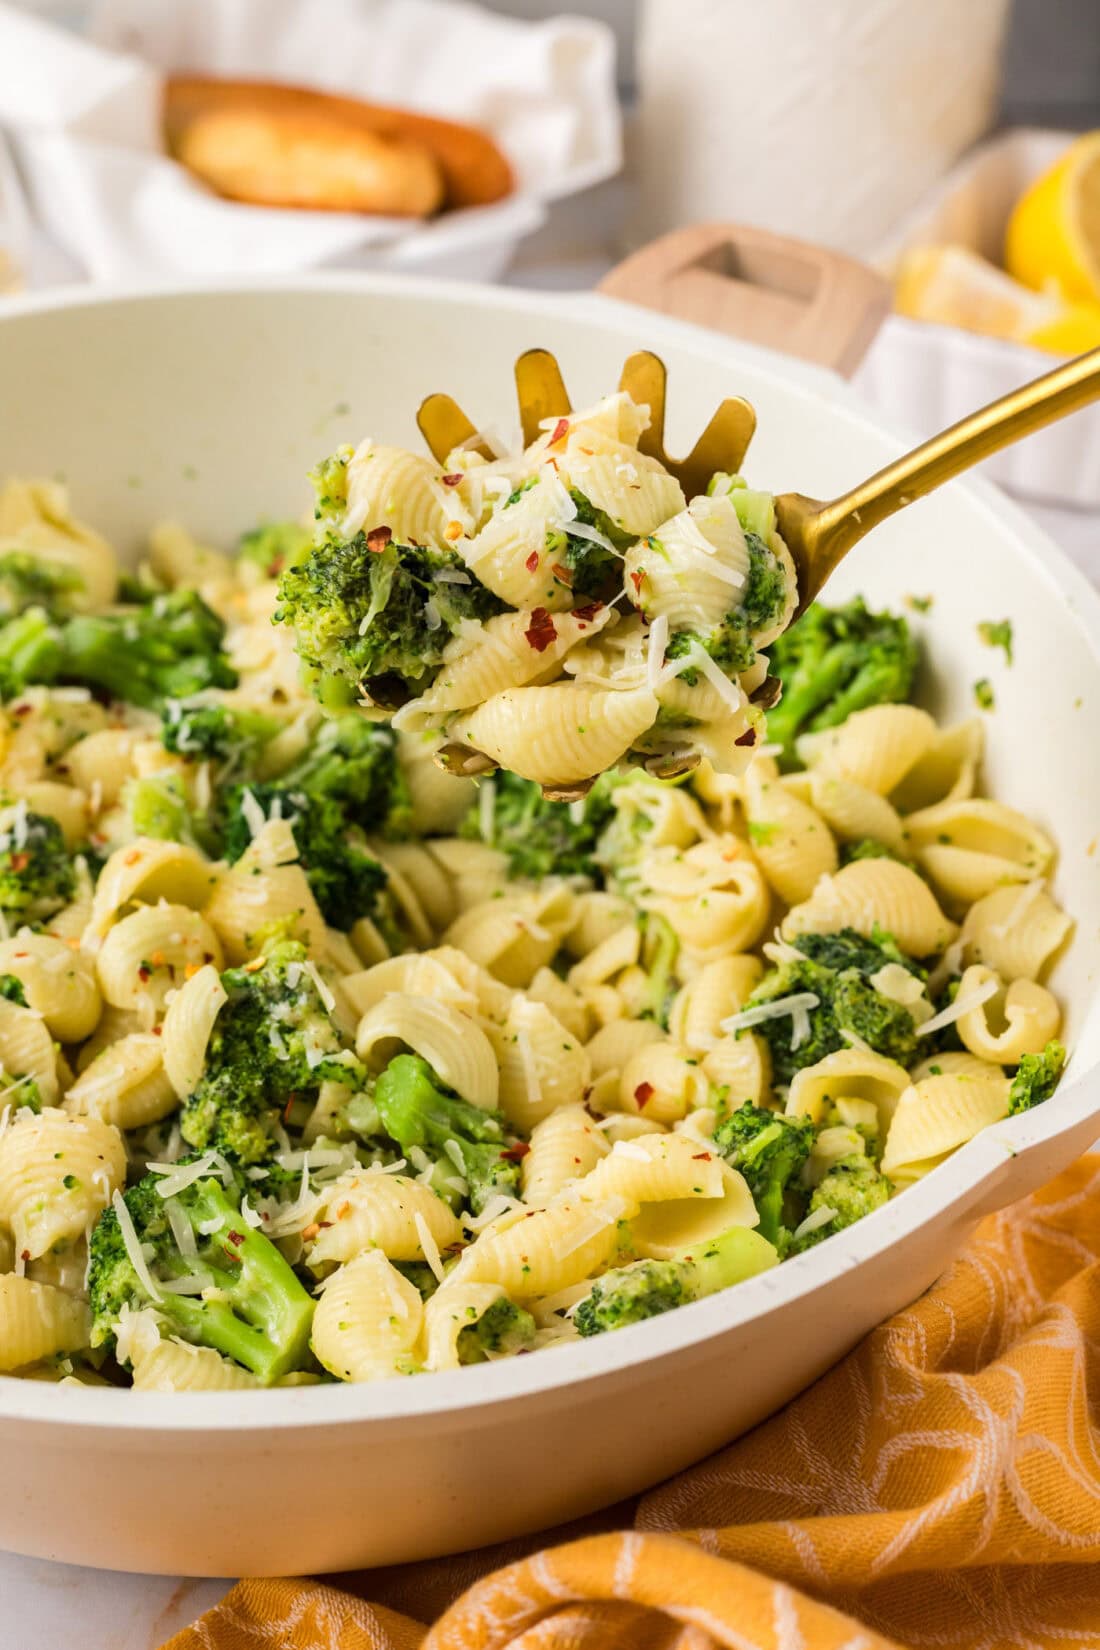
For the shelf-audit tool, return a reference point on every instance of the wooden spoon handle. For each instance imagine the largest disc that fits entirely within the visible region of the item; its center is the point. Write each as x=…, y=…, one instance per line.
x=804, y=300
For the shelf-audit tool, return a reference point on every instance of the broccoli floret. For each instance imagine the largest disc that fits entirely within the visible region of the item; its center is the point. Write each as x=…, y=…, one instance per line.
x=769, y=1149
x=273, y=546
x=346, y=880
x=466, y=1143
x=1037, y=1078
x=158, y=807
x=731, y=643
x=371, y=616
x=271, y=1042
x=997, y=633
x=502, y=1330
x=28, y=581
x=329, y=480
x=355, y=763
x=168, y=649
x=30, y=652
x=258, y=1313
x=12, y=990
x=37, y=876
x=852, y=1188
x=215, y=732
x=591, y=570
x=660, y=947
x=847, y=949
x=837, y=970
x=833, y=661
x=646, y=1288
x=542, y=838
x=19, y=1092
x=138, y=585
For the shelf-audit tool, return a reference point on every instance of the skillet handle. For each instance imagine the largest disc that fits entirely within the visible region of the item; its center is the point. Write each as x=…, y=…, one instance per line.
x=789, y=295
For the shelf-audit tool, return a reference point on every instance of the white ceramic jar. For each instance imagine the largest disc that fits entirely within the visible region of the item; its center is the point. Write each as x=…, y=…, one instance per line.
x=827, y=121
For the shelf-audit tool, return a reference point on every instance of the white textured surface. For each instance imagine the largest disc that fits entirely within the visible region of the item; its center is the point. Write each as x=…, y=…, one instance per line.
x=48, y=1605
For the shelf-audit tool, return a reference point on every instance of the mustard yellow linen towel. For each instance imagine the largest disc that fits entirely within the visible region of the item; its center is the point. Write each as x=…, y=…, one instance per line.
x=940, y=1487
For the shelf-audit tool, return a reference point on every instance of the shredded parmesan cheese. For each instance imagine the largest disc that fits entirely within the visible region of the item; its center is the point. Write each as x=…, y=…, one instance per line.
x=962, y=1005
x=131, y=1244
x=428, y=1246
x=655, y=658
x=798, y=1006
x=253, y=814
x=699, y=659
x=814, y=1222
x=1027, y=897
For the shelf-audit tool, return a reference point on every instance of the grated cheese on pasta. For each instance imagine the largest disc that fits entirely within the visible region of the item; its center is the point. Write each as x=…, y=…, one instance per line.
x=963, y=1004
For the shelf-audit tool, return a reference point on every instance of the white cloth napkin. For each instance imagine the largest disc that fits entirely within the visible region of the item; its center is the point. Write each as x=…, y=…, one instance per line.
x=82, y=117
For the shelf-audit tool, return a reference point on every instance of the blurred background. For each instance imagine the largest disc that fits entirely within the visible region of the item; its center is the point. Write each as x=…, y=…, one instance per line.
x=950, y=146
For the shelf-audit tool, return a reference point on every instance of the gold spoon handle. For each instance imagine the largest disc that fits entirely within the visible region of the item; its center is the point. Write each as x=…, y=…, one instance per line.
x=828, y=531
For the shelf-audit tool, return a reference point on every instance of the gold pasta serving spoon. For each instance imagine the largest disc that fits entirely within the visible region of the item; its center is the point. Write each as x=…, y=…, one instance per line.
x=818, y=534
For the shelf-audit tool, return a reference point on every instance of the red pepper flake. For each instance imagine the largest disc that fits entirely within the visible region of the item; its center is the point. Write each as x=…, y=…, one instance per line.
x=132, y=857
x=452, y=480
x=144, y=972
x=636, y=580
x=20, y=861
x=516, y=1153
x=236, y=1238
x=541, y=631
x=700, y=1157
x=289, y=1107
x=747, y=738
x=21, y=710
x=643, y=1094
x=24, y=1255
x=585, y=615
x=157, y=1030
x=561, y=573
x=378, y=538
x=560, y=431
x=532, y=562
x=310, y=1232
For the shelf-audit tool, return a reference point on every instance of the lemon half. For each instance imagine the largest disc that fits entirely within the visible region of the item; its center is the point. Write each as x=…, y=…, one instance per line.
x=1053, y=237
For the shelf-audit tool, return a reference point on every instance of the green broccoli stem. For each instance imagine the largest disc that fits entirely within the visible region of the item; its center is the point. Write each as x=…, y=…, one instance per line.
x=644, y=1289
x=30, y=651
x=265, y=1318
x=660, y=946
x=810, y=686
x=731, y=1257
x=420, y=1115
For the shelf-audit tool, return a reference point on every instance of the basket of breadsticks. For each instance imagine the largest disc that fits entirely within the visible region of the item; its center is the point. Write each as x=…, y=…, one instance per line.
x=207, y=136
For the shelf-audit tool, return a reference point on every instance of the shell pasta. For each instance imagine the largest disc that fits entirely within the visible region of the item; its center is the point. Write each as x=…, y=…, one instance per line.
x=489, y=975
x=552, y=611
